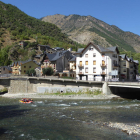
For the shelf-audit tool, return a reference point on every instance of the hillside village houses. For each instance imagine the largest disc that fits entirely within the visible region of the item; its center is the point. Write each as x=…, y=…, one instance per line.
x=94, y=63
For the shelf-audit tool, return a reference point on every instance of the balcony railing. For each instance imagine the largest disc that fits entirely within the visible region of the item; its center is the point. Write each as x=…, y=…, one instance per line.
x=103, y=73
x=80, y=73
x=80, y=65
x=103, y=65
x=115, y=65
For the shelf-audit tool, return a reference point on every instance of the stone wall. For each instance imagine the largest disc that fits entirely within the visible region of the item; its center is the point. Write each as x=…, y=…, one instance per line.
x=41, y=85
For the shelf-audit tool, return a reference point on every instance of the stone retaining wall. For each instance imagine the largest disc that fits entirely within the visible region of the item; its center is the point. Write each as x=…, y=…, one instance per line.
x=41, y=85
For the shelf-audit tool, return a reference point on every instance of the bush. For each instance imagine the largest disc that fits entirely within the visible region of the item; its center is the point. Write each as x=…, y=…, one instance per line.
x=48, y=71
x=31, y=72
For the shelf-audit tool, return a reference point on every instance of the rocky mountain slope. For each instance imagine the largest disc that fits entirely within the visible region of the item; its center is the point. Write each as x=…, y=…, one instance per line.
x=84, y=29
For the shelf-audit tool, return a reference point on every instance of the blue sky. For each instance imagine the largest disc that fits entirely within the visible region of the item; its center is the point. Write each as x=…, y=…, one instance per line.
x=122, y=13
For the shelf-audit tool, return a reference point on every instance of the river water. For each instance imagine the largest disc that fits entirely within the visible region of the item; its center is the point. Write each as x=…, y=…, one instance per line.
x=66, y=119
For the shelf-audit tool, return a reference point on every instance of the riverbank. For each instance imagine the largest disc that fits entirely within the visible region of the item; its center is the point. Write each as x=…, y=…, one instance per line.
x=49, y=96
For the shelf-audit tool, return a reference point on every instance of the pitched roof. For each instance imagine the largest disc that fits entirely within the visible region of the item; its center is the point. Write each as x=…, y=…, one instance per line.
x=73, y=58
x=99, y=48
x=7, y=67
x=123, y=56
x=58, y=48
x=102, y=49
x=113, y=49
x=23, y=62
x=55, y=56
x=136, y=61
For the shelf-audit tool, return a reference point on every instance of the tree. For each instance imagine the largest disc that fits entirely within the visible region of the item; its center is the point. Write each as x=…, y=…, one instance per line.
x=48, y=71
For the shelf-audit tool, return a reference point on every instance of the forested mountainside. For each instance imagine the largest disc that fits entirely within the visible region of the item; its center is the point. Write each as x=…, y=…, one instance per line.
x=84, y=29
x=17, y=26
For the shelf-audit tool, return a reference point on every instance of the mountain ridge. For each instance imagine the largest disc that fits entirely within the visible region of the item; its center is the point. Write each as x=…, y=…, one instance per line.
x=85, y=29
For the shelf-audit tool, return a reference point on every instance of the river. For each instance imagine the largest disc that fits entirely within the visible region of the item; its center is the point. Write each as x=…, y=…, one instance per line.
x=47, y=119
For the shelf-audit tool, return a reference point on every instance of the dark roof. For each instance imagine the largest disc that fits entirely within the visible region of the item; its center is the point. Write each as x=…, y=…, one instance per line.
x=80, y=50
x=73, y=58
x=55, y=56
x=7, y=67
x=123, y=56
x=23, y=62
x=113, y=49
x=102, y=49
x=58, y=48
x=99, y=48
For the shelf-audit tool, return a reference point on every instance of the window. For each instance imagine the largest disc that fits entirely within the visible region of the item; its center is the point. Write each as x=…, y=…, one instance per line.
x=24, y=66
x=86, y=63
x=86, y=55
x=80, y=55
x=29, y=66
x=114, y=55
x=91, y=49
x=103, y=62
x=80, y=63
x=24, y=71
x=94, y=54
x=3, y=68
x=94, y=70
x=86, y=70
x=94, y=62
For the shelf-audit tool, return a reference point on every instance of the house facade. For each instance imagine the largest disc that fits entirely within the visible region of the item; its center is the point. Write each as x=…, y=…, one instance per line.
x=6, y=70
x=95, y=61
x=20, y=67
x=128, y=68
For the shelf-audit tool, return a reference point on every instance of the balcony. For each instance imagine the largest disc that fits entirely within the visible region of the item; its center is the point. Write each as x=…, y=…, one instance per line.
x=103, y=65
x=115, y=65
x=103, y=73
x=80, y=65
x=80, y=73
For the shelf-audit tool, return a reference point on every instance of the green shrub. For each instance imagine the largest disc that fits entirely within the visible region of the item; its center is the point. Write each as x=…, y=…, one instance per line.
x=48, y=71
x=4, y=90
x=31, y=72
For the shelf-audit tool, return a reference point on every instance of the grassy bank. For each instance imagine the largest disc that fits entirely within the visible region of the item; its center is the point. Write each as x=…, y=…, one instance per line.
x=68, y=92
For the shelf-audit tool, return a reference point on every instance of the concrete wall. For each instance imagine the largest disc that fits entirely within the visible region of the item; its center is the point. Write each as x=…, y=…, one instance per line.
x=41, y=85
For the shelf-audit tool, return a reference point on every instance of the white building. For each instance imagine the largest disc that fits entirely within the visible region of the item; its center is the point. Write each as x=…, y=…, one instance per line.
x=96, y=62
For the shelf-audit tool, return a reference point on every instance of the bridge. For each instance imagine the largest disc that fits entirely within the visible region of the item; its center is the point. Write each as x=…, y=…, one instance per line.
x=41, y=85
x=125, y=89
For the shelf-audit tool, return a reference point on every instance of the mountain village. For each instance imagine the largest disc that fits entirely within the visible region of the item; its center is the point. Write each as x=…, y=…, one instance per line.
x=93, y=63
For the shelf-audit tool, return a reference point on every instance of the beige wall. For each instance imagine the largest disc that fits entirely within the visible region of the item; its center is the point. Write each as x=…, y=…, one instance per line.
x=27, y=66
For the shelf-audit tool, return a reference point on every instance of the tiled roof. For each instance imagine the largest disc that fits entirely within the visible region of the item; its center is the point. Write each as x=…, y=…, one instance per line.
x=73, y=58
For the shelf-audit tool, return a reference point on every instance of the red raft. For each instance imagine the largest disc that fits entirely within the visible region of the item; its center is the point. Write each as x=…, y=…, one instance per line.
x=26, y=101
